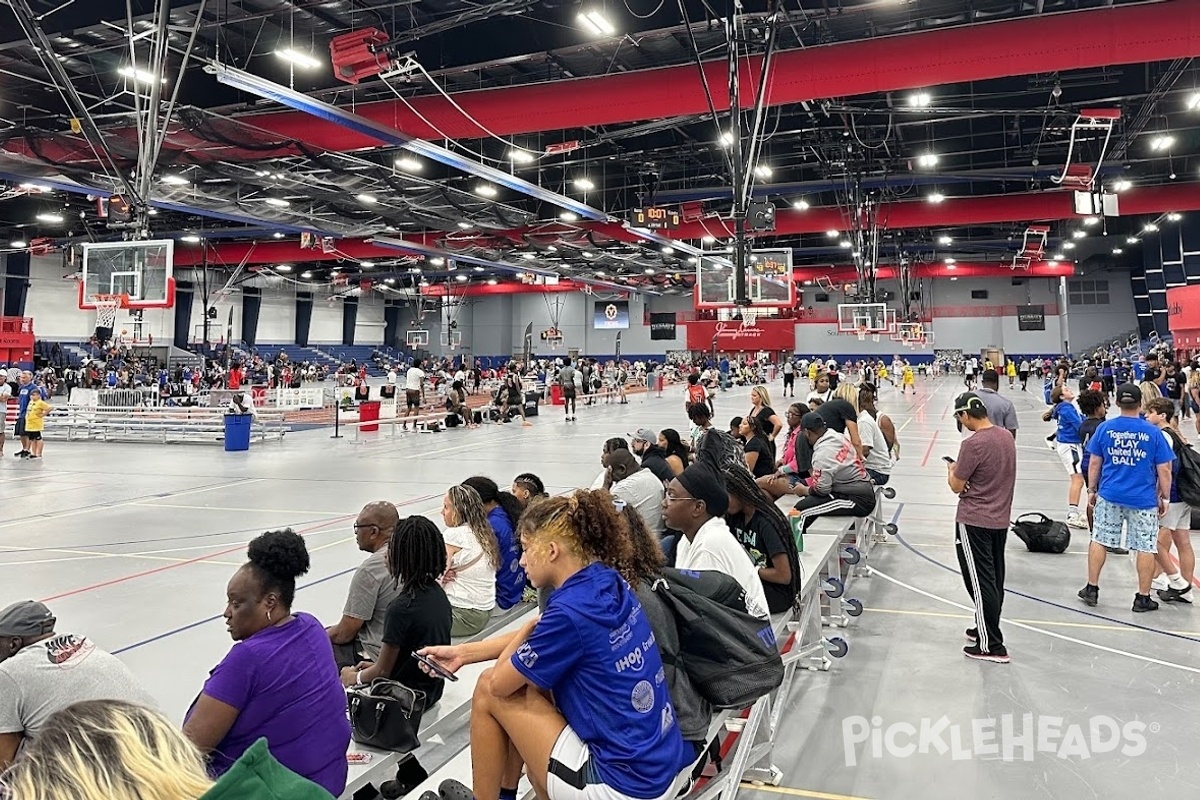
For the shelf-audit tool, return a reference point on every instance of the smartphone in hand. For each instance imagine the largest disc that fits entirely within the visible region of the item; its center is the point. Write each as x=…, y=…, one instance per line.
x=437, y=668
x=948, y=459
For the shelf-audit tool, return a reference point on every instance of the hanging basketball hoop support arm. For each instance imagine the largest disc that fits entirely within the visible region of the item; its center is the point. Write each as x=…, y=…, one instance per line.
x=740, y=202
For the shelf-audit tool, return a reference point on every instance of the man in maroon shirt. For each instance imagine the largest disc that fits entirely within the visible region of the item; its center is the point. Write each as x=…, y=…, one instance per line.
x=983, y=477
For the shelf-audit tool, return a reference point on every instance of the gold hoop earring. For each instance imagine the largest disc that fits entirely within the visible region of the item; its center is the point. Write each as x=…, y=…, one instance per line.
x=268, y=615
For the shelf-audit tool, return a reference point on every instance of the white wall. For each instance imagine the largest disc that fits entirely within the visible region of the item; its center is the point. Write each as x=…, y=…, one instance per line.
x=1091, y=325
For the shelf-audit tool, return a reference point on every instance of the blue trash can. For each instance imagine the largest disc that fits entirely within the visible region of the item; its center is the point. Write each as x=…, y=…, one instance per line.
x=237, y=432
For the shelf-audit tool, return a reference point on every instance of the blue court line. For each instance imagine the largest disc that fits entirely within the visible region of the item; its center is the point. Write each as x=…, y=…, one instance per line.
x=1035, y=598
x=207, y=620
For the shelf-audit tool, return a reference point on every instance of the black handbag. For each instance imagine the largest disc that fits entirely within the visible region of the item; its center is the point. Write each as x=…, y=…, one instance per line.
x=386, y=714
x=1042, y=534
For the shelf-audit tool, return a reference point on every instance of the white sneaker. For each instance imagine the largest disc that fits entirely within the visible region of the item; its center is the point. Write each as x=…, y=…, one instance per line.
x=1077, y=520
x=1178, y=585
x=1160, y=583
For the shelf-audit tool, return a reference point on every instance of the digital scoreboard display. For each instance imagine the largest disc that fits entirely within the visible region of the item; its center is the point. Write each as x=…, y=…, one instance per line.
x=654, y=218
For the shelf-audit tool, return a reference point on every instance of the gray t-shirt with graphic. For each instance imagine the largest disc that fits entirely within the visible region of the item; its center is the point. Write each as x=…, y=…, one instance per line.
x=50, y=675
x=372, y=590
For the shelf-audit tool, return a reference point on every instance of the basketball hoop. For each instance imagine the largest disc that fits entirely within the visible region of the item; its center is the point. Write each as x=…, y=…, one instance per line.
x=862, y=333
x=107, y=306
x=749, y=317
x=874, y=337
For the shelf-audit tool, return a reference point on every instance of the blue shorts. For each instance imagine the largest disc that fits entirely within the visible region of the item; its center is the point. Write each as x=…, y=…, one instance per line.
x=1140, y=526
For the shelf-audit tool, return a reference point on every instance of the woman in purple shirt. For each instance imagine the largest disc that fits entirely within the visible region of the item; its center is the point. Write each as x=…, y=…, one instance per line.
x=279, y=682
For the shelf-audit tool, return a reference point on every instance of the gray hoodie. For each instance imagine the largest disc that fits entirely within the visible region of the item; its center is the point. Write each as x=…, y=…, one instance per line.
x=836, y=467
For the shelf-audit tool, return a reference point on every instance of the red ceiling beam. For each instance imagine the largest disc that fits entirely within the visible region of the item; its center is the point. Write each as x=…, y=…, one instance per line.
x=1020, y=207
x=1048, y=43
x=1134, y=34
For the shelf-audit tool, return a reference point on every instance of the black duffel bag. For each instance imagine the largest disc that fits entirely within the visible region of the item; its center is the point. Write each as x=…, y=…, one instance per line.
x=1042, y=534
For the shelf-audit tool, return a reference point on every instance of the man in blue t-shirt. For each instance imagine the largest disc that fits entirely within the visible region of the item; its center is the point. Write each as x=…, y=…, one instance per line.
x=24, y=394
x=1129, y=479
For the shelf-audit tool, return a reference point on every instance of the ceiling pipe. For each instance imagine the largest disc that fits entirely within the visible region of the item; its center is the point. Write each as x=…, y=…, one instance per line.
x=1130, y=34
x=1022, y=207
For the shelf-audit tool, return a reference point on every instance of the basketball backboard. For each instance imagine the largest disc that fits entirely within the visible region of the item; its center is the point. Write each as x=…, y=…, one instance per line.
x=865, y=317
x=417, y=339
x=769, y=280
x=141, y=270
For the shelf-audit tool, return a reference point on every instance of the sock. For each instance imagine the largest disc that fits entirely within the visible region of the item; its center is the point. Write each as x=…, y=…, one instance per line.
x=1176, y=581
x=508, y=794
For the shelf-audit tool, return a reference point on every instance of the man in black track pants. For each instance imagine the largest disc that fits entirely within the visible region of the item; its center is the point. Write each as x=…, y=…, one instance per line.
x=983, y=477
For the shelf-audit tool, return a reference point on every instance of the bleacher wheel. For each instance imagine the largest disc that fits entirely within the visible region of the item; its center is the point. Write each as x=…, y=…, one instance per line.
x=853, y=607
x=836, y=646
x=889, y=493
x=775, y=778
x=833, y=587
x=891, y=528
x=851, y=555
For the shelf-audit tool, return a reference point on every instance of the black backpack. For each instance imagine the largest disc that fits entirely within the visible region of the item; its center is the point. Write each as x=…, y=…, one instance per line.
x=1042, y=534
x=731, y=657
x=1187, y=479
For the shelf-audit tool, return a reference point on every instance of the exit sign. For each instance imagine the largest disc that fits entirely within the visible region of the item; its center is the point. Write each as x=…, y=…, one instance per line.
x=654, y=218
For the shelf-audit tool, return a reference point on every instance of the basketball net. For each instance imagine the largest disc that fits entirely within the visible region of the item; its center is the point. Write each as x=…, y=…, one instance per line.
x=107, y=306
x=862, y=333
x=749, y=317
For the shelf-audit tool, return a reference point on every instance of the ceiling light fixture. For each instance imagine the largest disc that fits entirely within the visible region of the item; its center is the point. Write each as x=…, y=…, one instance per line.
x=1117, y=251
x=667, y=250
x=462, y=278
x=466, y=226
x=175, y=180
x=191, y=238
x=1057, y=257
x=1131, y=240
x=936, y=197
x=277, y=235
x=389, y=281
x=951, y=262
x=18, y=243
x=649, y=270
x=800, y=205
x=1150, y=227
x=832, y=234
x=568, y=216
x=306, y=274
x=50, y=217
x=708, y=239
x=1068, y=245
x=1162, y=142
x=1193, y=101
x=845, y=243
x=595, y=23
x=485, y=190
x=945, y=240
x=1079, y=234
x=762, y=171
x=1120, y=186
x=1174, y=216
x=520, y=156
x=139, y=75
x=302, y=60
x=366, y=264
x=437, y=262
x=409, y=164
x=1090, y=221
x=367, y=199
x=726, y=139
x=920, y=99
x=927, y=160
x=284, y=268
x=529, y=256
x=277, y=202
x=585, y=184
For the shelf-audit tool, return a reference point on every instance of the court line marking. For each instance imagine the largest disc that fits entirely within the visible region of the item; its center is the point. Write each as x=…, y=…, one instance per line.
x=1135, y=656
x=1053, y=623
x=800, y=792
x=320, y=512
x=123, y=503
x=198, y=559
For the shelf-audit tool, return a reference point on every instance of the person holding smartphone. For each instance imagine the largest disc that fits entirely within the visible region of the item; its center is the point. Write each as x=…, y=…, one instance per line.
x=576, y=692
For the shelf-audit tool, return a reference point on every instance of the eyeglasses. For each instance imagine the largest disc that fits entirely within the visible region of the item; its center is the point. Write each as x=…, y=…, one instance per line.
x=670, y=498
x=358, y=525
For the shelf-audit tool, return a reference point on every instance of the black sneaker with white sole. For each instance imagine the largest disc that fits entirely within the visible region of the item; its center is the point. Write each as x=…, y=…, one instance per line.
x=1143, y=602
x=997, y=654
x=1090, y=595
x=1173, y=595
x=972, y=634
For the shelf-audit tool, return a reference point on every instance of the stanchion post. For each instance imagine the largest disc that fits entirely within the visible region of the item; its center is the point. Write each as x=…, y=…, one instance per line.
x=337, y=416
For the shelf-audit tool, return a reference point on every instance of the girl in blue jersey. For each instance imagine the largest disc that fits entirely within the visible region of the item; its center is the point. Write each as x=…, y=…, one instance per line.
x=503, y=510
x=579, y=693
x=1070, y=448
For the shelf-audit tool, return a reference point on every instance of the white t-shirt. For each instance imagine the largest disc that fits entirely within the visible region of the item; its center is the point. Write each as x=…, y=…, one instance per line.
x=414, y=379
x=475, y=586
x=644, y=491
x=715, y=548
x=872, y=436
x=391, y=376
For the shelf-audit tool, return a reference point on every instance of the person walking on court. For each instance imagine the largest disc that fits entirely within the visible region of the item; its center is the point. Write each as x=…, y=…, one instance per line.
x=984, y=478
x=1129, y=479
x=1173, y=583
x=1001, y=411
x=566, y=381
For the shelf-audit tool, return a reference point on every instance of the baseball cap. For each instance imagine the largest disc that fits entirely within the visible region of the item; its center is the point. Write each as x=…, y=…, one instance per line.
x=967, y=401
x=812, y=421
x=1128, y=393
x=644, y=435
x=26, y=618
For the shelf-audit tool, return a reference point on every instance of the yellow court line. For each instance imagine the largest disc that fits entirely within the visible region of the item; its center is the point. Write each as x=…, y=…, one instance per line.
x=801, y=792
x=1091, y=625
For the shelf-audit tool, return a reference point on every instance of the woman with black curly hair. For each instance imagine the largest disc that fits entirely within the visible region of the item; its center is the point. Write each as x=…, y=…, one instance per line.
x=279, y=681
x=503, y=511
x=610, y=729
x=676, y=452
x=756, y=522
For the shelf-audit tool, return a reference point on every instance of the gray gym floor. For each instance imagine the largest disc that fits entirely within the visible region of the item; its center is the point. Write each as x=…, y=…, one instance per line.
x=133, y=544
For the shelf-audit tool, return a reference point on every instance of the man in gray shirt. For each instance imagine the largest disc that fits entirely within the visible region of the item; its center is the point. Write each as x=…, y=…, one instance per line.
x=359, y=634
x=637, y=486
x=42, y=672
x=1000, y=409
